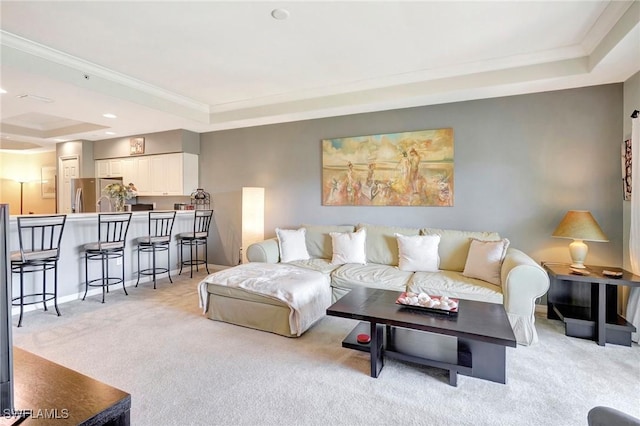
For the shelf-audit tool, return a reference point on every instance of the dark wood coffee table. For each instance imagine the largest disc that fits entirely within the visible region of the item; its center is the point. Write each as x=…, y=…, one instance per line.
x=472, y=343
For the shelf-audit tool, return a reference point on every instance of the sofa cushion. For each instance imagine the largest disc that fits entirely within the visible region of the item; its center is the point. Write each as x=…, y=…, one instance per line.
x=349, y=247
x=454, y=245
x=321, y=265
x=370, y=275
x=454, y=284
x=382, y=246
x=292, y=244
x=418, y=252
x=485, y=260
x=319, y=240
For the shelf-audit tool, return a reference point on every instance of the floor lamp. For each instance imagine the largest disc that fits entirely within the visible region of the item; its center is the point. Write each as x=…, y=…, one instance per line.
x=21, y=182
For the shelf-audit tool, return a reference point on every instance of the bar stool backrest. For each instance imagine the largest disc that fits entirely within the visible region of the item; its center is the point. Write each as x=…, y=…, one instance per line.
x=201, y=223
x=161, y=225
x=112, y=230
x=40, y=236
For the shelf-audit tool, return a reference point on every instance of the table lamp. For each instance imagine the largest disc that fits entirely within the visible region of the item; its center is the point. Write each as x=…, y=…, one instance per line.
x=580, y=226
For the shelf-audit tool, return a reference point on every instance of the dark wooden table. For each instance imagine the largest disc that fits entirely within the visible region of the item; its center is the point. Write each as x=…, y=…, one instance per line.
x=56, y=395
x=472, y=343
x=588, y=304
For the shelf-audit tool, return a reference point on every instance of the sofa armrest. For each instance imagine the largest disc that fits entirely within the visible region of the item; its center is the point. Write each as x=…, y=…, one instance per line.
x=266, y=251
x=523, y=281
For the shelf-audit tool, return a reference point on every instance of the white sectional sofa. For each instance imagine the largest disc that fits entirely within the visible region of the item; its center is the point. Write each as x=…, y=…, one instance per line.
x=518, y=282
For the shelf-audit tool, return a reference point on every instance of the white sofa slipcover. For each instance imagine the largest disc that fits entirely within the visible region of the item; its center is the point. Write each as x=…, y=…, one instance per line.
x=522, y=280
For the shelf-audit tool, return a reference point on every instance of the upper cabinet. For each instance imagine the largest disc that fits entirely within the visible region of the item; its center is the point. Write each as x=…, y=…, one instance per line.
x=165, y=174
x=109, y=168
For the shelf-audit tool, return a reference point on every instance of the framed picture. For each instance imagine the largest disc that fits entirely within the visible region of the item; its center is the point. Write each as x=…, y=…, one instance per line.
x=48, y=182
x=136, y=146
x=395, y=169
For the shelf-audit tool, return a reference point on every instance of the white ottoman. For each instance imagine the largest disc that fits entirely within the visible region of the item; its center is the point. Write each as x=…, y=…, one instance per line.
x=275, y=297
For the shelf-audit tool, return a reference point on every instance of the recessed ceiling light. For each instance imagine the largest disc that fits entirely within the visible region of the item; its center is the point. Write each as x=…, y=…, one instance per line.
x=109, y=115
x=280, y=14
x=2, y=90
x=109, y=133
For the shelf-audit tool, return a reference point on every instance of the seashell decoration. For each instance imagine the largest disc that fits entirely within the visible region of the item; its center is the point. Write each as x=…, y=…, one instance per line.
x=425, y=301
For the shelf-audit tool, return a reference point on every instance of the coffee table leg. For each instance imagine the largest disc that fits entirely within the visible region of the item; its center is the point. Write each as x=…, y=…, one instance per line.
x=453, y=377
x=376, y=350
x=488, y=359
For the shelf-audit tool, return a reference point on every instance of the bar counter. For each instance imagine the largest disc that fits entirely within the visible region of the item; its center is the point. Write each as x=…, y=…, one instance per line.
x=82, y=228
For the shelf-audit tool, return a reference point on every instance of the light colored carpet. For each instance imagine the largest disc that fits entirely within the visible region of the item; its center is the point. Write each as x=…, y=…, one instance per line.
x=182, y=368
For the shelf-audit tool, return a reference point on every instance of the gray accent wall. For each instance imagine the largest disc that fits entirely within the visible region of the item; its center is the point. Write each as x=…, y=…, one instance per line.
x=520, y=163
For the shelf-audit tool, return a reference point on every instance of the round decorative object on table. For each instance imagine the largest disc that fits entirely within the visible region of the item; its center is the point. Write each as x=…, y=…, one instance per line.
x=201, y=199
x=363, y=338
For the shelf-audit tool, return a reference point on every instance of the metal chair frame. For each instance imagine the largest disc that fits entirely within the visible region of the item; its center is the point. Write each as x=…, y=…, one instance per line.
x=158, y=240
x=112, y=234
x=193, y=240
x=39, y=239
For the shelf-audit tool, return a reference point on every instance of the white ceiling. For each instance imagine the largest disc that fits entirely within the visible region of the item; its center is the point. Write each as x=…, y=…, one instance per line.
x=209, y=65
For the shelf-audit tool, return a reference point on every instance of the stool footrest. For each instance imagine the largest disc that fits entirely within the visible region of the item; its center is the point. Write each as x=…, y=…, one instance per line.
x=99, y=282
x=48, y=297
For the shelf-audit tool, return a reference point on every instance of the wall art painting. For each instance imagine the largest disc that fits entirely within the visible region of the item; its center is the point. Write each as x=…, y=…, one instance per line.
x=48, y=182
x=136, y=146
x=626, y=169
x=395, y=169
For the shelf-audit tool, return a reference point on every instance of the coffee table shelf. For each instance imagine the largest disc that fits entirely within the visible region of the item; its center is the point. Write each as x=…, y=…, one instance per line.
x=472, y=343
x=463, y=359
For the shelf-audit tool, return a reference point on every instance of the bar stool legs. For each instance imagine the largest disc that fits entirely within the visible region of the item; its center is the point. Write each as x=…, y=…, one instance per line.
x=112, y=233
x=158, y=240
x=105, y=279
x=39, y=239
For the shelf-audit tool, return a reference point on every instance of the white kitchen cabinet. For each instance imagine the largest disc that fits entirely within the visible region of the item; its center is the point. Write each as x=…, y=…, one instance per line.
x=129, y=171
x=109, y=168
x=143, y=182
x=153, y=175
x=174, y=174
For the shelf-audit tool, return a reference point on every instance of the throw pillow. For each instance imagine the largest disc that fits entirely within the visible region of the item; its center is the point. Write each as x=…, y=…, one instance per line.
x=292, y=244
x=485, y=260
x=418, y=253
x=349, y=247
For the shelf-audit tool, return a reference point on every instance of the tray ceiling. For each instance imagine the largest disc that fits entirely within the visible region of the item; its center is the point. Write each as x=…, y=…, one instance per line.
x=206, y=66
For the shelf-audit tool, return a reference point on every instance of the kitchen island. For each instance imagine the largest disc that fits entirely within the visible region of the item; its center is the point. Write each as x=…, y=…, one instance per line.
x=82, y=228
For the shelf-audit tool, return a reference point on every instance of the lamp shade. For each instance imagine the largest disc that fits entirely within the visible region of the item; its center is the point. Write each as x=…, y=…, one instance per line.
x=580, y=225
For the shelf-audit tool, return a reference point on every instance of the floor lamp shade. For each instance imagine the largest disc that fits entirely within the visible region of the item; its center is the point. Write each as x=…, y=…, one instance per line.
x=580, y=226
x=252, y=218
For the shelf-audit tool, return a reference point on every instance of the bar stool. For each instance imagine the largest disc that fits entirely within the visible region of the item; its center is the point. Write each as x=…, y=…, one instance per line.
x=39, y=239
x=158, y=240
x=192, y=240
x=112, y=234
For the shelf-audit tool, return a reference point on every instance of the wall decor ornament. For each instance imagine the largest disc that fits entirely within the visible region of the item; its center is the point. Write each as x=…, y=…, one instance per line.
x=136, y=146
x=395, y=169
x=626, y=169
x=48, y=182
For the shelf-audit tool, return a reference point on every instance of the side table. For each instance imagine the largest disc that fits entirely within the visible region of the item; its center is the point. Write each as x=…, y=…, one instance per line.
x=588, y=303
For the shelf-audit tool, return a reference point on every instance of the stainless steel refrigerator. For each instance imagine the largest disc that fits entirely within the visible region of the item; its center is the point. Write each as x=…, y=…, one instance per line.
x=87, y=196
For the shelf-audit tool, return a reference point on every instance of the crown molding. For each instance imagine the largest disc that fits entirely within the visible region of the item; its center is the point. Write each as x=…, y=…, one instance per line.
x=84, y=70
